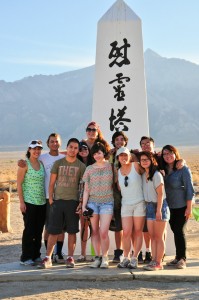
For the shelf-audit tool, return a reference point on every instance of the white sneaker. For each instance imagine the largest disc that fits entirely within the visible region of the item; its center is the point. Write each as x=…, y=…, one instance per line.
x=96, y=263
x=124, y=263
x=134, y=263
x=105, y=263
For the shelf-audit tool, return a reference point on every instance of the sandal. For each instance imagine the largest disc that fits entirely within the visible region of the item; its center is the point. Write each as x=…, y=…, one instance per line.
x=81, y=258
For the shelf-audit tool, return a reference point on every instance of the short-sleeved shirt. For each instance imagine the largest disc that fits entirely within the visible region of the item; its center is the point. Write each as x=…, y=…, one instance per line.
x=33, y=185
x=100, y=183
x=150, y=186
x=68, y=178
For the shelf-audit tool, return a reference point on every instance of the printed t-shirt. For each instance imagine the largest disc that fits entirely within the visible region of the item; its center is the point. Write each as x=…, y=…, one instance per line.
x=68, y=178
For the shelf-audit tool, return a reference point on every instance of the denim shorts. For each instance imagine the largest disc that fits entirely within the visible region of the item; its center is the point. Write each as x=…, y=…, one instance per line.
x=101, y=208
x=151, y=208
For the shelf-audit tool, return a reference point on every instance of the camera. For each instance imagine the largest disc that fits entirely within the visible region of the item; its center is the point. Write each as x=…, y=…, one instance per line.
x=88, y=213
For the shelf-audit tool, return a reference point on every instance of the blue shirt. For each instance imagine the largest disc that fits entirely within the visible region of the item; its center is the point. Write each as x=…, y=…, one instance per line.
x=179, y=187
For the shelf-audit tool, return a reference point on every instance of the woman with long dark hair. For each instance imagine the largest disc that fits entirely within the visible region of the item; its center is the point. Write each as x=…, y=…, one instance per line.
x=179, y=195
x=157, y=211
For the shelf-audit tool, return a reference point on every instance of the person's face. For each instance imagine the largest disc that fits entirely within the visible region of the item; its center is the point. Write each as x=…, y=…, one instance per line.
x=92, y=132
x=124, y=158
x=145, y=162
x=147, y=145
x=119, y=142
x=35, y=152
x=54, y=143
x=72, y=149
x=98, y=156
x=83, y=152
x=168, y=156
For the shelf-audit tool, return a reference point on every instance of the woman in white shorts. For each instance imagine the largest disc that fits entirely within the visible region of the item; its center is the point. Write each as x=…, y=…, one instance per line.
x=133, y=206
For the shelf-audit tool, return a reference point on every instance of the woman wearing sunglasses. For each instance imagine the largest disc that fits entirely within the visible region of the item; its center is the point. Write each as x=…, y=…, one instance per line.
x=31, y=191
x=94, y=135
x=133, y=206
x=157, y=211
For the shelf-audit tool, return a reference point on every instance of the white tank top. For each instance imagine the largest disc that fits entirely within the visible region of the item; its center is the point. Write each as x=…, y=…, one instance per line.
x=133, y=193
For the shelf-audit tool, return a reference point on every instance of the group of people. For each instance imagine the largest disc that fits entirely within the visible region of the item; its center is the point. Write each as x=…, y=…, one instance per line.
x=137, y=190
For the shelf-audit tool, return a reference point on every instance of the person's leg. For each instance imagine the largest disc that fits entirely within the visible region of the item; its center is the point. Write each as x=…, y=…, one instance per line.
x=127, y=225
x=85, y=237
x=105, y=220
x=118, y=239
x=71, y=243
x=29, y=218
x=95, y=236
x=151, y=231
x=52, y=240
x=159, y=229
x=138, y=223
x=40, y=221
x=178, y=225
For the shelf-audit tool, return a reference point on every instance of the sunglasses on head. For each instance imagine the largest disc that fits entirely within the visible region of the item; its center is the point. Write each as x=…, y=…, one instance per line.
x=36, y=142
x=126, y=181
x=91, y=129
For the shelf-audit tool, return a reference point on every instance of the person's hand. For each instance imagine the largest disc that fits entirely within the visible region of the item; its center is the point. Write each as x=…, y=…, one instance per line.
x=79, y=209
x=21, y=163
x=187, y=213
x=180, y=164
x=162, y=172
x=50, y=201
x=22, y=207
x=158, y=215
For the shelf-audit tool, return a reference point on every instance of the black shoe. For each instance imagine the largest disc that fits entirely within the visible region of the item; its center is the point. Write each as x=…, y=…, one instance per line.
x=148, y=258
x=117, y=254
x=140, y=258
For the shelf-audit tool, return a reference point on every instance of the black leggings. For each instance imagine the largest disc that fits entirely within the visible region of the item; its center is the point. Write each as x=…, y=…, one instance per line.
x=178, y=225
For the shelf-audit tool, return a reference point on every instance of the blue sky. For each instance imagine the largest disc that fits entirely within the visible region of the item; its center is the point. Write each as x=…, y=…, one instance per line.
x=55, y=36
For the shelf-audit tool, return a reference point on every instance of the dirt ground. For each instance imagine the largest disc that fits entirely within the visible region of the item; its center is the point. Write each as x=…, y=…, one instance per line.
x=10, y=249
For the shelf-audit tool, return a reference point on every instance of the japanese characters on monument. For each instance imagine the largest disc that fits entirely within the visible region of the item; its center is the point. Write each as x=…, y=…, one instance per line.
x=119, y=101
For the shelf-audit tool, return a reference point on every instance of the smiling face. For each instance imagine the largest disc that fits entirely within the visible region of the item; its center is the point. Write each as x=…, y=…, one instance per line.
x=98, y=156
x=92, y=132
x=54, y=143
x=124, y=158
x=147, y=145
x=119, y=142
x=145, y=161
x=169, y=156
x=35, y=152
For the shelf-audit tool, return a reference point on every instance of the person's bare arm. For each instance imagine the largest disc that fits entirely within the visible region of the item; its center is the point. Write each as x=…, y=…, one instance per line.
x=85, y=196
x=20, y=178
x=159, y=191
x=53, y=178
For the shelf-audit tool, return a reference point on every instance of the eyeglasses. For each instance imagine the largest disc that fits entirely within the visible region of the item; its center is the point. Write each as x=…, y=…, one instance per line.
x=91, y=129
x=36, y=142
x=126, y=181
x=144, y=160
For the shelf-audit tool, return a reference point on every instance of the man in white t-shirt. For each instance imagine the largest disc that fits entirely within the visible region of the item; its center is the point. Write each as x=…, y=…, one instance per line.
x=48, y=159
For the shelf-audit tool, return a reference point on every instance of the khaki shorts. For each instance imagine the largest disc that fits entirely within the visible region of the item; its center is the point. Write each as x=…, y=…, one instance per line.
x=134, y=210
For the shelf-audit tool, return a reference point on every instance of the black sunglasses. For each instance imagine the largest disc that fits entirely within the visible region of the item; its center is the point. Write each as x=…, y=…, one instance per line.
x=126, y=181
x=91, y=129
x=36, y=142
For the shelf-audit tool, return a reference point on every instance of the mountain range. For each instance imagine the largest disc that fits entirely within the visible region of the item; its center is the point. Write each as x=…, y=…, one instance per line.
x=35, y=106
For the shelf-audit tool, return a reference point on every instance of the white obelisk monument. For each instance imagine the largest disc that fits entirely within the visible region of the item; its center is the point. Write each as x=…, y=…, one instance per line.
x=119, y=100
